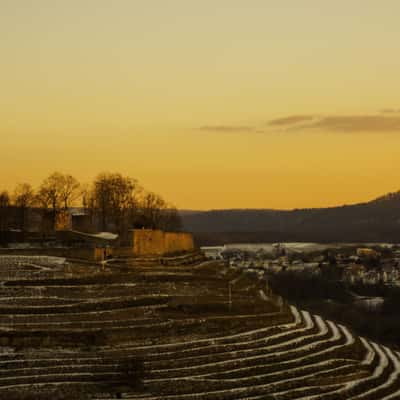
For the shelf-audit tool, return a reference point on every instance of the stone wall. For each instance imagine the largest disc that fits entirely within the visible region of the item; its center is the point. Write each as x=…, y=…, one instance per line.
x=175, y=242
x=123, y=252
x=156, y=242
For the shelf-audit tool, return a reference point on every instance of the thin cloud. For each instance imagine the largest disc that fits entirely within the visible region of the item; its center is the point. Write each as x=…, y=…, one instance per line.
x=357, y=123
x=390, y=111
x=291, y=120
x=227, y=128
x=379, y=123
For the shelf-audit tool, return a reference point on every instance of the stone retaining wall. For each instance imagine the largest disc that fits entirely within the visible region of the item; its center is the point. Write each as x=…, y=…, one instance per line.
x=156, y=242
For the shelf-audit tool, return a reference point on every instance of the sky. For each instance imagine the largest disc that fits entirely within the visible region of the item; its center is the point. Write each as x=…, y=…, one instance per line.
x=213, y=103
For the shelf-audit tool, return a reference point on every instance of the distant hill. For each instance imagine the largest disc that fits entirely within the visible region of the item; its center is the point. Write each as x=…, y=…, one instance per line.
x=374, y=221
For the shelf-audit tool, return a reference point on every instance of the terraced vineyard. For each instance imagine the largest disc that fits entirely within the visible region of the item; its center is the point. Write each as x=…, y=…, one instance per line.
x=180, y=332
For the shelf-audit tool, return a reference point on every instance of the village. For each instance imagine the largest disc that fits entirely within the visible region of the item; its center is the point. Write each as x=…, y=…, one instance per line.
x=350, y=263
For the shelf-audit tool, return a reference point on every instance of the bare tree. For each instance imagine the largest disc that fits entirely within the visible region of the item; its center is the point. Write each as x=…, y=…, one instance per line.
x=4, y=199
x=4, y=210
x=49, y=193
x=158, y=214
x=24, y=198
x=57, y=192
x=152, y=206
x=113, y=198
x=69, y=189
x=49, y=197
x=86, y=195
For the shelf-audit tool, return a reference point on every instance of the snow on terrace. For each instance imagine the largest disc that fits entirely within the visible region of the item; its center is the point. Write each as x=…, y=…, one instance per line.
x=21, y=258
x=240, y=343
x=100, y=235
x=105, y=235
x=11, y=260
x=264, y=360
x=248, y=354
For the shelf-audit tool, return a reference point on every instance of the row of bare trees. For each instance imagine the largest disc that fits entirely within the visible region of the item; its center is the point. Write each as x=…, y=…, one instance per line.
x=22, y=199
x=115, y=202
x=123, y=203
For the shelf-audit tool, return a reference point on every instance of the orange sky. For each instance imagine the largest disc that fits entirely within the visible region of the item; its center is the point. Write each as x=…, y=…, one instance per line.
x=196, y=99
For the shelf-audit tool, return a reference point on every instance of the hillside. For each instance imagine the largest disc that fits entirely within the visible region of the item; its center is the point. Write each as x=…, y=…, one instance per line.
x=374, y=221
x=77, y=332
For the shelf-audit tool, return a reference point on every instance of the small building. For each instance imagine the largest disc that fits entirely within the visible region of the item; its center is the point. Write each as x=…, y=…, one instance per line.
x=73, y=220
x=96, y=247
x=213, y=252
